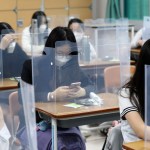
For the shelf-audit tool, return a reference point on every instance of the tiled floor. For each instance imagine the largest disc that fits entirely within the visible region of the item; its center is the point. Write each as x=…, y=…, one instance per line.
x=95, y=142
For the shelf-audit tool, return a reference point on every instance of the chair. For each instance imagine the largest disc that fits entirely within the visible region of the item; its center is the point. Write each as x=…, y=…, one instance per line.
x=112, y=79
x=14, y=108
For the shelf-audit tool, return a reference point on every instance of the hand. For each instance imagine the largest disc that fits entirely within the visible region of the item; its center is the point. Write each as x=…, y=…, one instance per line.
x=61, y=93
x=76, y=92
x=140, y=42
x=6, y=40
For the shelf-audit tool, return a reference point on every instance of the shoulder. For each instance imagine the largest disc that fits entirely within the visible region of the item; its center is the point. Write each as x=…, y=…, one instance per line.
x=125, y=104
x=26, y=30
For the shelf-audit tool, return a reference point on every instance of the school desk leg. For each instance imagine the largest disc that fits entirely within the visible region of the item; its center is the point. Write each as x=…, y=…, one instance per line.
x=54, y=134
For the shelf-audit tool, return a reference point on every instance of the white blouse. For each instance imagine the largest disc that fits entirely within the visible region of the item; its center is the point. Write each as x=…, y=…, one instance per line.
x=126, y=107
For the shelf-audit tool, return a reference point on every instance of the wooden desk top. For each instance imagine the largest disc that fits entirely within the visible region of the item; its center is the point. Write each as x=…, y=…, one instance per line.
x=58, y=110
x=139, y=145
x=99, y=63
x=7, y=84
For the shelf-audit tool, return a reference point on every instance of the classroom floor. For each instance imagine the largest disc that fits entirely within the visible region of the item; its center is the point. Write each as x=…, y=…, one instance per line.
x=95, y=141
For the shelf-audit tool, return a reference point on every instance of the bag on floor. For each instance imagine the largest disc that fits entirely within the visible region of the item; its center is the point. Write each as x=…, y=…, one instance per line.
x=67, y=139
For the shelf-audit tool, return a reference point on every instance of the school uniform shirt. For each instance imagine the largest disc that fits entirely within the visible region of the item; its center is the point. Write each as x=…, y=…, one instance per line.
x=48, y=77
x=27, y=44
x=13, y=62
x=4, y=138
x=126, y=107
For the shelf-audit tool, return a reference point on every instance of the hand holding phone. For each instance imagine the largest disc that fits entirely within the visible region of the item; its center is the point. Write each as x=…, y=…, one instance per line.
x=75, y=85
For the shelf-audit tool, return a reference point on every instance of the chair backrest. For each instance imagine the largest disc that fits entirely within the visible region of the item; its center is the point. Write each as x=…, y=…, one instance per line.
x=112, y=77
x=14, y=103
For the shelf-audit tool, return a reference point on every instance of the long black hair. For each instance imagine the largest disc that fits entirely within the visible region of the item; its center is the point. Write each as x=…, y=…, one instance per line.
x=5, y=28
x=75, y=20
x=136, y=85
x=60, y=34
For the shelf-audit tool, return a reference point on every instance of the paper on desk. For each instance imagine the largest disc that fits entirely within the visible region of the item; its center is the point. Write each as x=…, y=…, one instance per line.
x=73, y=105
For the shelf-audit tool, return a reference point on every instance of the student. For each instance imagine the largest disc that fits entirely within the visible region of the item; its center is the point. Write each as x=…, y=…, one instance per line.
x=35, y=35
x=77, y=26
x=57, y=69
x=4, y=133
x=13, y=56
x=137, y=39
x=67, y=69
x=132, y=100
x=132, y=107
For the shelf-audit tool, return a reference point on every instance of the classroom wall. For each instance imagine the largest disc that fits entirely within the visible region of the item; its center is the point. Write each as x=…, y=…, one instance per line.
x=99, y=8
x=18, y=12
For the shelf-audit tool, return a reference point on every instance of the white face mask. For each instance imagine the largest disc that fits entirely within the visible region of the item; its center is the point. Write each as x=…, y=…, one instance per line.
x=42, y=28
x=11, y=47
x=61, y=60
x=78, y=36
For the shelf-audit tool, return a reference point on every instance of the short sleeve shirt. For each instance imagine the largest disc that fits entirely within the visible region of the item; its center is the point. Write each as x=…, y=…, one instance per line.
x=125, y=107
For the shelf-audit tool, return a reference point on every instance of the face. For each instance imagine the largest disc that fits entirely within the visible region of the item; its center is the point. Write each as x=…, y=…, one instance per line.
x=76, y=27
x=62, y=55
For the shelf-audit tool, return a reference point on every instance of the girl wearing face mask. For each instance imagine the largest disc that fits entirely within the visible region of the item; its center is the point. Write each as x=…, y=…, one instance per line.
x=34, y=36
x=57, y=69
x=76, y=25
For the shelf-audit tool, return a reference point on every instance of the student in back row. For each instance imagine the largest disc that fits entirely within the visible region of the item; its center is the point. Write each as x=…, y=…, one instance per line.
x=35, y=35
x=77, y=26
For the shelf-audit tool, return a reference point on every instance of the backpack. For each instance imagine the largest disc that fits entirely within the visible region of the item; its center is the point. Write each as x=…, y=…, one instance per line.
x=68, y=139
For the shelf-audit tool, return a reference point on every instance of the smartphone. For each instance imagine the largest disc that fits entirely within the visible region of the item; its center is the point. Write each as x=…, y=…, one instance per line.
x=74, y=85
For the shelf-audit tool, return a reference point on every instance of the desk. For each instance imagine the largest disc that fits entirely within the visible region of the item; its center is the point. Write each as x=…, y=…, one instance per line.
x=139, y=145
x=68, y=117
x=7, y=84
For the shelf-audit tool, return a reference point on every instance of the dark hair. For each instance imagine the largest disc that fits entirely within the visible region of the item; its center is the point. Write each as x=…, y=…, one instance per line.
x=38, y=15
x=5, y=28
x=137, y=83
x=75, y=20
x=60, y=34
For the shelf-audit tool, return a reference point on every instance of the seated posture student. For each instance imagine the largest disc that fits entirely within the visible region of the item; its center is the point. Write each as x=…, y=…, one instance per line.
x=76, y=25
x=132, y=106
x=66, y=67
x=35, y=35
x=57, y=69
x=4, y=133
x=13, y=56
x=132, y=100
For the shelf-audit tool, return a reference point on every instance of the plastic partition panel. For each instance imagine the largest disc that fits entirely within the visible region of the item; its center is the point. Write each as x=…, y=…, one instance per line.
x=147, y=104
x=146, y=28
x=1, y=67
x=33, y=42
x=16, y=103
x=28, y=99
x=12, y=53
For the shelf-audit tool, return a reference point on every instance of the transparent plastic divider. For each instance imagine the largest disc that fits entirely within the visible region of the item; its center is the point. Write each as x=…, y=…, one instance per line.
x=28, y=99
x=147, y=106
x=146, y=28
x=11, y=100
